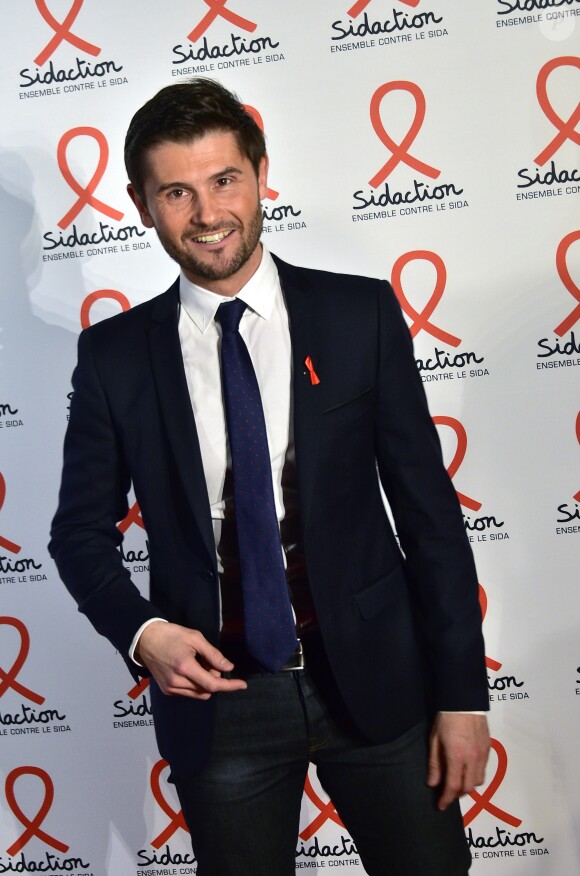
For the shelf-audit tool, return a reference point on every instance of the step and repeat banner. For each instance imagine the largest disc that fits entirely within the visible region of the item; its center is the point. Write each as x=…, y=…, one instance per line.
x=430, y=142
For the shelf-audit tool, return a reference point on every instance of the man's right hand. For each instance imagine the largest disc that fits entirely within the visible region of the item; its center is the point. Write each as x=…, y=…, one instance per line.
x=183, y=662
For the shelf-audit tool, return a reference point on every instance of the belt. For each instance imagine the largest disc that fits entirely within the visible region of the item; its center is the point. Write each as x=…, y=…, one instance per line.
x=236, y=651
x=296, y=661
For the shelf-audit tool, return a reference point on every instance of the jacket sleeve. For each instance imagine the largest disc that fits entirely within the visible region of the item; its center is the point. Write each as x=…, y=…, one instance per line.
x=93, y=498
x=439, y=564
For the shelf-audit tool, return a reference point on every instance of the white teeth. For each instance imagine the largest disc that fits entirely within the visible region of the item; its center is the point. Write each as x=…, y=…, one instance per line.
x=212, y=238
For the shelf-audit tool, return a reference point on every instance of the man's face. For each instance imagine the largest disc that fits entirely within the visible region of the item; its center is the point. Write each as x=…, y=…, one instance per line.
x=203, y=199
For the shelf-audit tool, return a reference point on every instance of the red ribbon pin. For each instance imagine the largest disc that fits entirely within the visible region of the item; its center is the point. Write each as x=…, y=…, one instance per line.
x=32, y=825
x=62, y=32
x=400, y=151
x=459, y=456
x=8, y=679
x=176, y=816
x=85, y=194
x=314, y=378
x=566, y=129
x=217, y=9
x=421, y=318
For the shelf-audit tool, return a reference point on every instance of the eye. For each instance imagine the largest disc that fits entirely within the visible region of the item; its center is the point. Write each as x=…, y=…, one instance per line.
x=176, y=194
x=224, y=181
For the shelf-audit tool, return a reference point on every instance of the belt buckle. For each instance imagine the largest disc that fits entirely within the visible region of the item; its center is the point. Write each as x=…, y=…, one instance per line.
x=296, y=661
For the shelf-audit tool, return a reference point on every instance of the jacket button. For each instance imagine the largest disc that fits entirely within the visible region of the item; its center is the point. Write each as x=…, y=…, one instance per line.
x=209, y=575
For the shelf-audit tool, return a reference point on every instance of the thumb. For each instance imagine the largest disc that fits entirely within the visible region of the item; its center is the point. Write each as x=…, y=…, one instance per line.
x=434, y=770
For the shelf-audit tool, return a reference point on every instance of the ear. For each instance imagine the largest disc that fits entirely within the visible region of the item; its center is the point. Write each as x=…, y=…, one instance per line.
x=141, y=207
x=263, y=177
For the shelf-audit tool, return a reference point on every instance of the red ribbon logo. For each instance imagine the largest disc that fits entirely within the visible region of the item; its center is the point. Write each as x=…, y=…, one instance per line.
x=32, y=825
x=99, y=295
x=400, y=152
x=458, y=457
x=577, y=495
x=176, y=815
x=421, y=319
x=568, y=282
x=85, y=195
x=483, y=800
x=217, y=9
x=138, y=688
x=326, y=812
x=271, y=194
x=361, y=5
x=566, y=129
x=8, y=679
x=491, y=664
x=4, y=542
x=62, y=31
x=133, y=516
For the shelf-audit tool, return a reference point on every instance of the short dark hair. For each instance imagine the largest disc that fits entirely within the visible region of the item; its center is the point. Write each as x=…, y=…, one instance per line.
x=187, y=111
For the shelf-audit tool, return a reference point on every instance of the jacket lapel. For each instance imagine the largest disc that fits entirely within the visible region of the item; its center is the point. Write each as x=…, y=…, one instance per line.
x=307, y=397
x=169, y=374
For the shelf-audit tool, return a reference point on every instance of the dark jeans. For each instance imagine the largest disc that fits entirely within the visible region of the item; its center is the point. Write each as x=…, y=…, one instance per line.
x=243, y=810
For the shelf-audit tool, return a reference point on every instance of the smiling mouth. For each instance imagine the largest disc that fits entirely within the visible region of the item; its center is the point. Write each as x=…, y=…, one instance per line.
x=215, y=237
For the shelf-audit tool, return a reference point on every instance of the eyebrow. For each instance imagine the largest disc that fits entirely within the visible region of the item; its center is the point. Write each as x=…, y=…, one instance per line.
x=183, y=185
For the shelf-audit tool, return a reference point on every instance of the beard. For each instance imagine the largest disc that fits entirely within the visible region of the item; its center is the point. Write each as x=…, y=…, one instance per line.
x=215, y=266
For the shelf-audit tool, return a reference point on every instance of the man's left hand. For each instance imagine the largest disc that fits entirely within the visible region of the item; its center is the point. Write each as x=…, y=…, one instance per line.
x=458, y=751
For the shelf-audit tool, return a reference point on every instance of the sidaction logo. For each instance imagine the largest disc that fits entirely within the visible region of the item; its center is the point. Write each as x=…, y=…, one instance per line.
x=48, y=78
x=12, y=570
x=568, y=518
x=311, y=848
x=400, y=25
x=135, y=710
x=242, y=49
x=563, y=351
x=442, y=364
x=160, y=853
x=26, y=720
x=421, y=197
x=70, y=242
x=34, y=828
x=504, y=842
x=482, y=528
x=550, y=179
x=535, y=11
x=279, y=217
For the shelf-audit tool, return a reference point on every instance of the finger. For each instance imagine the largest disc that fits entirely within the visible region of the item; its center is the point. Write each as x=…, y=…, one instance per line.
x=211, y=656
x=452, y=789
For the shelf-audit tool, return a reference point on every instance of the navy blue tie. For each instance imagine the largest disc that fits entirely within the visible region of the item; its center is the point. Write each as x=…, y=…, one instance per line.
x=268, y=621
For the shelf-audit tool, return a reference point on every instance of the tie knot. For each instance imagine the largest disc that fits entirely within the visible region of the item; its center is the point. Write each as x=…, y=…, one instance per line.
x=229, y=314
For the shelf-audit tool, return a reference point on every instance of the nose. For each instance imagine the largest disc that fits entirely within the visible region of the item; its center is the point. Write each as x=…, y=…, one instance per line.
x=204, y=209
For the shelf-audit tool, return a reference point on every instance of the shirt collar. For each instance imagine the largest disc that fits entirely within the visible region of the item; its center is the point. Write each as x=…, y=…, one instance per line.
x=259, y=294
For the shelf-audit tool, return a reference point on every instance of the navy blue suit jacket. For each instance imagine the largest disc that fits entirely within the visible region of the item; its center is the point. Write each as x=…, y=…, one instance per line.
x=401, y=628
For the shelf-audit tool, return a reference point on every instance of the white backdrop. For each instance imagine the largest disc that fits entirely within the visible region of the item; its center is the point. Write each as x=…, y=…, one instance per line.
x=431, y=142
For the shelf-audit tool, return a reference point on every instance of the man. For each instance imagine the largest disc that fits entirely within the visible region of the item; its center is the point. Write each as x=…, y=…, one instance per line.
x=285, y=625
